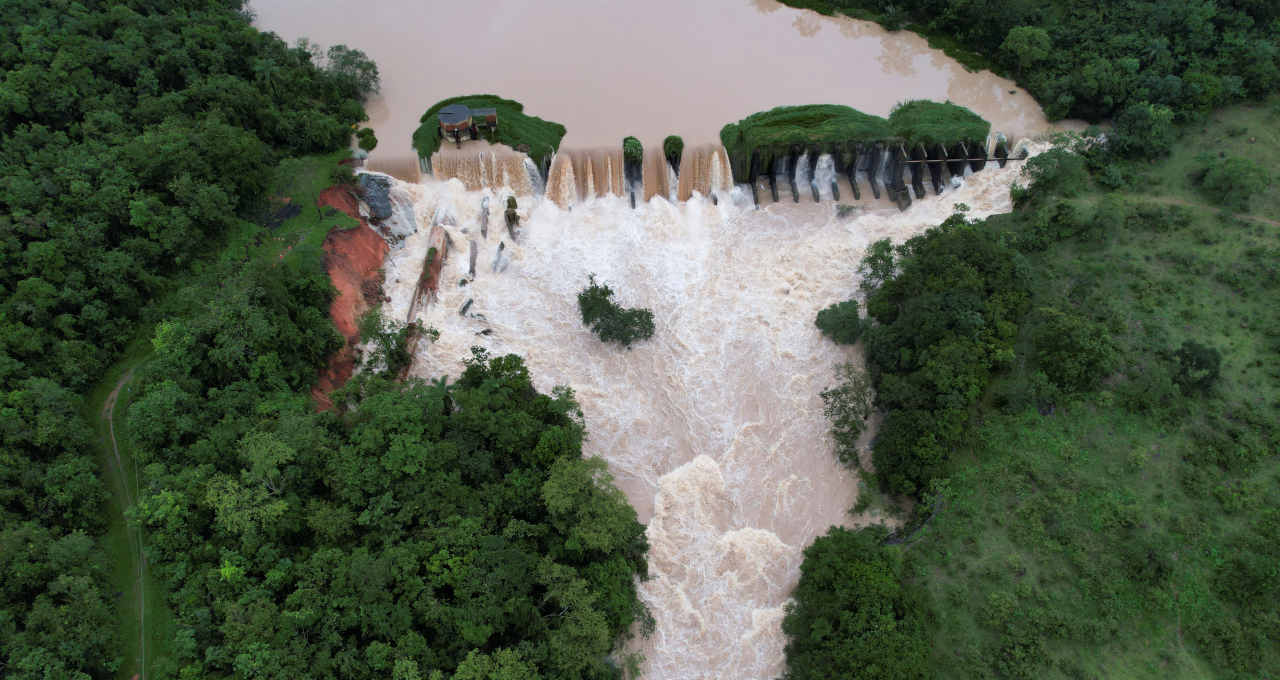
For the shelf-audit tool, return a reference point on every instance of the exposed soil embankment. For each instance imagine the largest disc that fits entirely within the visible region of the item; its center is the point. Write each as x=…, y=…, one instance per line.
x=353, y=259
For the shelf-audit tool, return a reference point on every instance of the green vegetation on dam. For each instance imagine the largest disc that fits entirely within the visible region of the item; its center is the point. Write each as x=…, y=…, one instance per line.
x=516, y=129
x=755, y=141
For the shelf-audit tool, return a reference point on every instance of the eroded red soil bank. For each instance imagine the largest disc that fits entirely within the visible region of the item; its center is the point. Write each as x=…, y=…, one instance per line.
x=353, y=259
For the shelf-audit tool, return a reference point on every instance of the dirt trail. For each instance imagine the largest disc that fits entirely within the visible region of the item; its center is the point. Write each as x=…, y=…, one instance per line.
x=135, y=534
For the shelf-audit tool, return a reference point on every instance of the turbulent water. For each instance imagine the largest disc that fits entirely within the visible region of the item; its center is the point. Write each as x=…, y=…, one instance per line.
x=714, y=427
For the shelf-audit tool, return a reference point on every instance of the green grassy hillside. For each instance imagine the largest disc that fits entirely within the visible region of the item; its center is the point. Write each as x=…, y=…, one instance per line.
x=1109, y=507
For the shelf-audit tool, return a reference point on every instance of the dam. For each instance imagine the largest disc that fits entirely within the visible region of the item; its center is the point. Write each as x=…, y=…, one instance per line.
x=576, y=176
x=713, y=428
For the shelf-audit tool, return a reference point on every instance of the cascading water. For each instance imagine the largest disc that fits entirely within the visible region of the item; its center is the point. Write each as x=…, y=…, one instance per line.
x=535, y=177
x=714, y=427
x=824, y=174
x=480, y=165
x=577, y=176
x=659, y=178
x=704, y=169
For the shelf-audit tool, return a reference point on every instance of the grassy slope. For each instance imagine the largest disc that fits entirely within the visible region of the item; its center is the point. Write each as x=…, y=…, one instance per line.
x=300, y=180
x=1090, y=535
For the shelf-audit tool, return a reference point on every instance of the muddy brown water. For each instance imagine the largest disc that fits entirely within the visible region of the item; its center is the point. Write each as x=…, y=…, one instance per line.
x=608, y=69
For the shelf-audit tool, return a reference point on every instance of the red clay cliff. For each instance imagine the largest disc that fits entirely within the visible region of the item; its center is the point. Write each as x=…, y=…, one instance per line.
x=353, y=259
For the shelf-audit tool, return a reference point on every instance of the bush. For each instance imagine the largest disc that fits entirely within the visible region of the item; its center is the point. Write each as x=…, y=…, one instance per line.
x=1198, y=366
x=342, y=175
x=1057, y=171
x=610, y=321
x=928, y=123
x=1144, y=129
x=1232, y=181
x=1073, y=351
x=673, y=149
x=841, y=322
x=853, y=615
x=366, y=139
x=632, y=150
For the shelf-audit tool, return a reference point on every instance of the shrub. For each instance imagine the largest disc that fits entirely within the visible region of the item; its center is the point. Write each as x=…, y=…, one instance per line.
x=1232, y=181
x=673, y=149
x=632, y=150
x=1073, y=351
x=1057, y=171
x=1198, y=366
x=841, y=322
x=343, y=175
x=366, y=139
x=853, y=615
x=925, y=122
x=610, y=321
x=389, y=341
x=1145, y=129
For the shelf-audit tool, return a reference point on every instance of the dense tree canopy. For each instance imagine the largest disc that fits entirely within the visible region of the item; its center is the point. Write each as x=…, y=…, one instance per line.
x=449, y=527
x=133, y=136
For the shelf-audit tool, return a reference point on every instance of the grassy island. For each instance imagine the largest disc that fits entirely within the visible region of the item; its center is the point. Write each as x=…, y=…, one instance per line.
x=929, y=123
x=515, y=127
x=836, y=128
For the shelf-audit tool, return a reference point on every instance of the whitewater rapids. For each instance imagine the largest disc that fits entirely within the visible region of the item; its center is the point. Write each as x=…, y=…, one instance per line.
x=714, y=427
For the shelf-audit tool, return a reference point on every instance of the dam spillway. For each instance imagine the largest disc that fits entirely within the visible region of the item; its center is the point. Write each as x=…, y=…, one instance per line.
x=575, y=176
x=714, y=428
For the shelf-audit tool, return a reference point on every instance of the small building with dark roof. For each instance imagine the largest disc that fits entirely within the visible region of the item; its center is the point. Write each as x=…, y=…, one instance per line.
x=459, y=122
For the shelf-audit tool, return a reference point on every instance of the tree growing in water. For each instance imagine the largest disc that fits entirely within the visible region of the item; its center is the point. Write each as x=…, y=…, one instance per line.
x=610, y=321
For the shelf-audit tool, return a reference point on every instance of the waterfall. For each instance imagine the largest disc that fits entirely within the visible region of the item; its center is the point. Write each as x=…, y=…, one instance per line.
x=562, y=186
x=803, y=174
x=578, y=175
x=824, y=174
x=479, y=165
x=658, y=177
x=704, y=169
x=534, y=177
